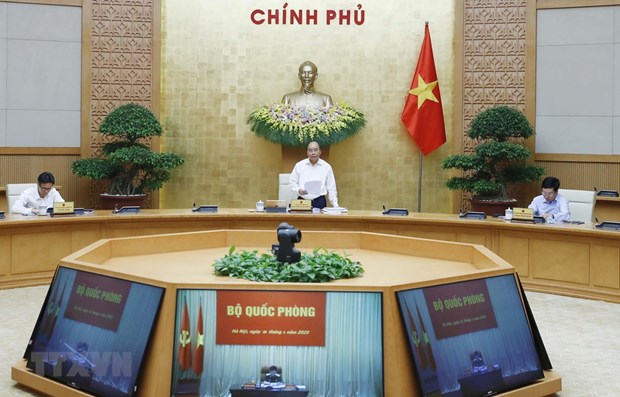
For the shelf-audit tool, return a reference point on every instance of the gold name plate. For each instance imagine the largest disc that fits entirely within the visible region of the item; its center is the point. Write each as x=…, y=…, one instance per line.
x=64, y=208
x=301, y=205
x=523, y=214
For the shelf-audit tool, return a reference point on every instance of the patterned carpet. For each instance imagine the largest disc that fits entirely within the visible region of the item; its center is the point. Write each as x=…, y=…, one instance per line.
x=582, y=338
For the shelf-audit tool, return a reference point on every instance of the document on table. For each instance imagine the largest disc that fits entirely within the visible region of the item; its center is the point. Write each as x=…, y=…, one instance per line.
x=313, y=188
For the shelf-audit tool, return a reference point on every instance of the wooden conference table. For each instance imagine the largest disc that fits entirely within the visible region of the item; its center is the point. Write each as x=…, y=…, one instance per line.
x=576, y=260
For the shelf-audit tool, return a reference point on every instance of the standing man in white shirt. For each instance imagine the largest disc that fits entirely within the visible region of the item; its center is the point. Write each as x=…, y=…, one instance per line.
x=314, y=170
x=551, y=205
x=44, y=195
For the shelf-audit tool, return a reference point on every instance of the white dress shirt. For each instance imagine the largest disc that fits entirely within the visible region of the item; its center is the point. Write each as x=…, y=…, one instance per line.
x=558, y=208
x=30, y=199
x=304, y=171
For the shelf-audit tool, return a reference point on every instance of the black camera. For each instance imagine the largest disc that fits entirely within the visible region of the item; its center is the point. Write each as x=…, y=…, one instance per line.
x=285, y=249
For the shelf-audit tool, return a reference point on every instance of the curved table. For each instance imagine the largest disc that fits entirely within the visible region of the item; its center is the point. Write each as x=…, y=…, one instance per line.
x=575, y=260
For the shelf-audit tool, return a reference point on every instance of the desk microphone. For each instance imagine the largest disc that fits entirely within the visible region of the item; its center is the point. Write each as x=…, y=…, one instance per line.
x=596, y=219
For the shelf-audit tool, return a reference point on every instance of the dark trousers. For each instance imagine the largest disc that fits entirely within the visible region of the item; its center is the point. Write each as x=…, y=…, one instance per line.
x=319, y=202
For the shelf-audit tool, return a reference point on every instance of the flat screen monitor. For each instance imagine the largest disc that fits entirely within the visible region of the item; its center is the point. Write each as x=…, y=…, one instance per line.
x=93, y=331
x=470, y=338
x=324, y=343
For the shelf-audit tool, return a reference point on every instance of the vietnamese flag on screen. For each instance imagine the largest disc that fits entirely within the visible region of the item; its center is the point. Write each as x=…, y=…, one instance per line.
x=415, y=335
x=426, y=341
x=200, y=344
x=185, y=347
x=423, y=115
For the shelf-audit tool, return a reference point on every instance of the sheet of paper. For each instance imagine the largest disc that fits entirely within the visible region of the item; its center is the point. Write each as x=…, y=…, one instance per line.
x=313, y=187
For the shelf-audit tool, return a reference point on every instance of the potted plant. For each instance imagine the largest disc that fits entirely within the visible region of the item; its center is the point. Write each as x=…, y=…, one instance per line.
x=498, y=160
x=127, y=163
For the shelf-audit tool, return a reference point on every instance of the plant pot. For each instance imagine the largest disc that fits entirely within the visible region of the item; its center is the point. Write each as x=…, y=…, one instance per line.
x=492, y=206
x=111, y=201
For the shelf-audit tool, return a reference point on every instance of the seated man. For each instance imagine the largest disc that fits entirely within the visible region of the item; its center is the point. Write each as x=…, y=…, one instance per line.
x=551, y=205
x=43, y=196
x=477, y=362
x=273, y=376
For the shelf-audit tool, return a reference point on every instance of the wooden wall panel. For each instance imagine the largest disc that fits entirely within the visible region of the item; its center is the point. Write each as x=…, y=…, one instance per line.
x=26, y=168
x=25, y=250
x=551, y=258
x=5, y=255
x=494, y=64
x=515, y=250
x=584, y=175
x=605, y=262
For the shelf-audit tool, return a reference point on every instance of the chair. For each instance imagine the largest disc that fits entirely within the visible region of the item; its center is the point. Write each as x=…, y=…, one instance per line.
x=13, y=190
x=284, y=189
x=581, y=203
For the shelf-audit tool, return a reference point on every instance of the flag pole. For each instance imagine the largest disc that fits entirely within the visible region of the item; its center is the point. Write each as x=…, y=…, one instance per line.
x=423, y=114
x=420, y=184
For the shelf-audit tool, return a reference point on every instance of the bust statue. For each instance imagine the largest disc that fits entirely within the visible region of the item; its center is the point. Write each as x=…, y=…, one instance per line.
x=307, y=96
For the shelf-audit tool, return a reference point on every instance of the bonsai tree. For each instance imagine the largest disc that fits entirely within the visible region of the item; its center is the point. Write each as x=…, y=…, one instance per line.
x=127, y=162
x=500, y=157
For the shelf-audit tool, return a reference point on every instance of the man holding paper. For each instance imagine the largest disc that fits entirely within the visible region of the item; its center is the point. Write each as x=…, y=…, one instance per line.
x=313, y=178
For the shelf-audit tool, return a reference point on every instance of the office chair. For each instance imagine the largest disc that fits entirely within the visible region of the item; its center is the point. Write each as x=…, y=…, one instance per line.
x=284, y=189
x=581, y=203
x=13, y=190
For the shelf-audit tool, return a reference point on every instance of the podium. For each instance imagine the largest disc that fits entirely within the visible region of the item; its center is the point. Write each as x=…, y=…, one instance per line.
x=390, y=263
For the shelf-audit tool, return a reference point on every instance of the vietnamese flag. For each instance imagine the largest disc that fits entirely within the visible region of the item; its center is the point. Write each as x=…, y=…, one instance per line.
x=199, y=352
x=423, y=115
x=185, y=347
x=427, y=342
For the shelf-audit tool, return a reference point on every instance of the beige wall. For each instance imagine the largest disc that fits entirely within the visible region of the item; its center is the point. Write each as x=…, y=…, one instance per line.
x=217, y=66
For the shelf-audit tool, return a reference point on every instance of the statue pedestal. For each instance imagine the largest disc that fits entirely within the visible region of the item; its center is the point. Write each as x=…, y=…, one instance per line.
x=291, y=155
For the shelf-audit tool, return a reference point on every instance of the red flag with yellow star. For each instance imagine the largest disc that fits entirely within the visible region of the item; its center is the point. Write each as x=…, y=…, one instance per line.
x=423, y=115
x=185, y=347
x=199, y=352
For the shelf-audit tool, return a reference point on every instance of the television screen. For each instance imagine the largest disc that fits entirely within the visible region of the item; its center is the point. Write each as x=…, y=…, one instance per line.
x=470, y=338
x=92, y=332
x=326, y=343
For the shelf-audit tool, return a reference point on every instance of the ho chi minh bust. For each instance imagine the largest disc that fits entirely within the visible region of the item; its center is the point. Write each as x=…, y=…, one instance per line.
x=307, y=95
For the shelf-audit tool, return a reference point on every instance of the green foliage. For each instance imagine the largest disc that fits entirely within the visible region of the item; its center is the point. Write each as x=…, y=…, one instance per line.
x=297, y=126
x=128, y=163
x=499, y=159
x=500, y=123
x=317, y=267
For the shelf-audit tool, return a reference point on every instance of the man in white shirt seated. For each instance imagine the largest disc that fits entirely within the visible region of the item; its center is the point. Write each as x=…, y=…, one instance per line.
x=314, y=169
x=40, y=198
x=551, y=205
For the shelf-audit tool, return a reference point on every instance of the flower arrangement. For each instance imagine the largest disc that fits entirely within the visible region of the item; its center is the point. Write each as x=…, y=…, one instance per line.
x=320, y=266
x=299, y=125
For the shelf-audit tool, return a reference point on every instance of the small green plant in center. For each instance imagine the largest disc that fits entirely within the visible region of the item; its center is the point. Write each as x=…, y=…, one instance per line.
x=319, y=266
